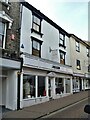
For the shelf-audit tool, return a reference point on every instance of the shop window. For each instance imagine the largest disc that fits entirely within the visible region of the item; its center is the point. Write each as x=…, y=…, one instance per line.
x=59, y=85
x=41, y=86
x=28, y=86
x=2, y=34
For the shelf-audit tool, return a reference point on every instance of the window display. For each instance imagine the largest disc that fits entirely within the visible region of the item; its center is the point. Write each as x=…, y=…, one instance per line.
x=28, y=86
x=41, y=86
x=59, y=85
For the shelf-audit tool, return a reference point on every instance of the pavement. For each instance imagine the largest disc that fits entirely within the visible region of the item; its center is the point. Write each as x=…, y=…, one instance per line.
x=40, y=110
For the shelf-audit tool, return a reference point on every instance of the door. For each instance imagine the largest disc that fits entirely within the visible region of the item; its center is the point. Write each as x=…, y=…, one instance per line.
x=49, y=88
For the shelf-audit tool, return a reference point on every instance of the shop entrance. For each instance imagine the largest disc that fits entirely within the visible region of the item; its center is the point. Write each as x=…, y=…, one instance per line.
x=49, y=88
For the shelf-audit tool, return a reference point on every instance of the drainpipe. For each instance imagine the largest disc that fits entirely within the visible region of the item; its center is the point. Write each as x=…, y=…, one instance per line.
x=18, y=84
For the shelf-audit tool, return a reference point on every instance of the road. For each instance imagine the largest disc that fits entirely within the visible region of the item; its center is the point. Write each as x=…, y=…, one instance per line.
x=75, y=111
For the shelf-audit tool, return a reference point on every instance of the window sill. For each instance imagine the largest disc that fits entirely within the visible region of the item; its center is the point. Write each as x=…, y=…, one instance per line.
x=32, y=30
x=78, y=50
x=78, y=68
x=62, y=45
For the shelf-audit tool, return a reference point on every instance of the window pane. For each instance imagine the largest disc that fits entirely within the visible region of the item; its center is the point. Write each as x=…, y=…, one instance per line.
x=41, y=86
x=2, y=28
x=36, y=20
x=36, y=45
x=1, y=40
x=59, y=85
x=62, y=58
x=78, y=64
x=28, y=86
x=61, y=36
x=35, y=27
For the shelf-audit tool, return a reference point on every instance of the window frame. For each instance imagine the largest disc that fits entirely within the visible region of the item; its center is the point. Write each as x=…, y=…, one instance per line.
x=61, y=41
x=64, y=53
x=77, y=46
x=87, y=51
x=3, y=35
x=33, y=22
x=40, y=43
x=78, y=65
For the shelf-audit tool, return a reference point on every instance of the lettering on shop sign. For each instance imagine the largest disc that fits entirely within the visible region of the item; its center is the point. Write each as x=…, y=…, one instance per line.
x=56, y=67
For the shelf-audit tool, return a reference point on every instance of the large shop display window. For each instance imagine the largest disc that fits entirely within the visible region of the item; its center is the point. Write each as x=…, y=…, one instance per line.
x=28, y=86
x=59, y=85
x=41, y=86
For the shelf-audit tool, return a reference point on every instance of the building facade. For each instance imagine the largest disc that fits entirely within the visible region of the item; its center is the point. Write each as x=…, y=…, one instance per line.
x=44, y=61
x=44, y=47
x=80, y=63
x=9, y=54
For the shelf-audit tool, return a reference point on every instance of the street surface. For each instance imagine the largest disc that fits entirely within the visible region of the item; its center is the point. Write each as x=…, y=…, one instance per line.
x=75, y=111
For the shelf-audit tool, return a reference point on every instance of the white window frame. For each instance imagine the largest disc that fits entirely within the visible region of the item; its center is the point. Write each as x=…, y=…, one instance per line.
x=4, y=39
x=77, y=46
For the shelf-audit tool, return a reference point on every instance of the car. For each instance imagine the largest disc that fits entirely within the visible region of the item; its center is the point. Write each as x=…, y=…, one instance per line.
x=87, y=109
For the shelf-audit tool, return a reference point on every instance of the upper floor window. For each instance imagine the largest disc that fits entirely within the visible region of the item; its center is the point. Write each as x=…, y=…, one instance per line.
x=77, y=46
x=88, y=68
x=36, y=23
x=87, y=52
x=36, y=47
x=61, y=39
x=78, y=64
x=62, y=57
x=2, y=34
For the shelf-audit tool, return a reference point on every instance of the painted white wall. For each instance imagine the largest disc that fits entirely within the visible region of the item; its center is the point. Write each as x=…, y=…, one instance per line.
x=50, y=38
x=11, y=96
x=67, y=44
x=26, y=25
x=4, y=91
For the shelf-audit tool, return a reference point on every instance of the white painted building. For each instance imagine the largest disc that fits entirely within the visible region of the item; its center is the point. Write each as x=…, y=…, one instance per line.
x=44, y=47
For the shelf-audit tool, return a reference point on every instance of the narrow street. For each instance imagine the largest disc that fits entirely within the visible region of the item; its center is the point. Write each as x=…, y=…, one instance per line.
x=75, y=111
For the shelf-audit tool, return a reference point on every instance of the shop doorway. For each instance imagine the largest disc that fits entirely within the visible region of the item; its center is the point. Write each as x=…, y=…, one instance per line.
x=49, y=88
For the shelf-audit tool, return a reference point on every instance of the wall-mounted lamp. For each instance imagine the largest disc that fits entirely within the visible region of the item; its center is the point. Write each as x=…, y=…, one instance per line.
x=22, y=46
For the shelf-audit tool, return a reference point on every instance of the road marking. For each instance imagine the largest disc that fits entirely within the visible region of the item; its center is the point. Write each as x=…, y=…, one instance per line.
x=62, y=109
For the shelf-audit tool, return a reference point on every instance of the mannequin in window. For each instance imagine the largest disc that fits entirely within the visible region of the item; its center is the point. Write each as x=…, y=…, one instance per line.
x=27, y=89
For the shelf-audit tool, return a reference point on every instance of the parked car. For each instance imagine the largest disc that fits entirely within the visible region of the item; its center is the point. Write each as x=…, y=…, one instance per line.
x=87, y=109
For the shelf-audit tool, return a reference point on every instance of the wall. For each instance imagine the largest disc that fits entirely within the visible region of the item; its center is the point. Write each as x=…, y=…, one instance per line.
x=26, y=24
x=11, y=97
x=50, y=38
x=82, y=56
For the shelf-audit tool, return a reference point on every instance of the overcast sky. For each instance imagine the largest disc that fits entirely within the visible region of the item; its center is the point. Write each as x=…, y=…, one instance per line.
x=71, y=15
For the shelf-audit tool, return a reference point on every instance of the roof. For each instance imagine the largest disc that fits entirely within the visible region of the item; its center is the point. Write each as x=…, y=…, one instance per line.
x=33, y=9
x=80, y=40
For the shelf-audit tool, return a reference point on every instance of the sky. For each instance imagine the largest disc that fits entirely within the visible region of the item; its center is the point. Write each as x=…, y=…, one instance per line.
x=71, y=15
